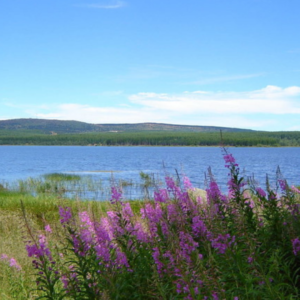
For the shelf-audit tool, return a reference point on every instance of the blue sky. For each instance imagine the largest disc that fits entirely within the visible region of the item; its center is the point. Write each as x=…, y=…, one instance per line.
x=233, y=63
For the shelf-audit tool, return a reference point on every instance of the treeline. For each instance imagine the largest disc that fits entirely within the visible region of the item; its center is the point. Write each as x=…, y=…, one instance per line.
x=239, y=139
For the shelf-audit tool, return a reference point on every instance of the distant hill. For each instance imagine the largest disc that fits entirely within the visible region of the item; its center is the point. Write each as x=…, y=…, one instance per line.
x=57, y=126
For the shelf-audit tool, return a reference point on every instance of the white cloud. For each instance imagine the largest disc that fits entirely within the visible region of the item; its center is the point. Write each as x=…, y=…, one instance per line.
x=92, y=114
x=114, y=5
x=269, y=100
x=269, y=108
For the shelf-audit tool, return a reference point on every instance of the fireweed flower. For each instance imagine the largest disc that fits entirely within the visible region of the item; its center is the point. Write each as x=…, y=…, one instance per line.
x=153, y=214
x=222, y=242
x=140, y=233
x=4, y=256
x=65, y=214
x=187, y=246
x=121, y=260
x=114, y=221
x=250, y=259
x=172, y=213
x=172, y=187
x=260, y=192
x=103, y=243
x=295, y=190
x=199, y=228
x=161, y=195
x=187, y=184
x=296, y=245
x=127, y=212
x=85, y=219
x=214, y=193
x=156, y=258
x=116, y=195
x=48, y=228
x=40, y=249
x=282, y=184
x=86, y=238
x=250, y=203
x=229, y=160
x=13, y=263
x=233, y=186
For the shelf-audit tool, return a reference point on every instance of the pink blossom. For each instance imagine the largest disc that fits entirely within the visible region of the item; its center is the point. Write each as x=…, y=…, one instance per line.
x=295, y=190
x=65, y=214
x=296, y=245
x=13, y=263
x=186, y=183
x=116, y=195
x=48, y=228
x=4, y=256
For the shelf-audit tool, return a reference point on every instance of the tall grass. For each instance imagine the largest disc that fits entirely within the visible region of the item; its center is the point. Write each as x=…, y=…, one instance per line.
x=182, y=244
x=82, y=187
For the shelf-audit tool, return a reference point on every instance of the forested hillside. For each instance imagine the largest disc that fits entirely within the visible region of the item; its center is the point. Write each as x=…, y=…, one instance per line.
x=238, y=139
x=57, y=126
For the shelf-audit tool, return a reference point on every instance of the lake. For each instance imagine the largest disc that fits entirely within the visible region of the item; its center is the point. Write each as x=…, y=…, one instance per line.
x=107, y=164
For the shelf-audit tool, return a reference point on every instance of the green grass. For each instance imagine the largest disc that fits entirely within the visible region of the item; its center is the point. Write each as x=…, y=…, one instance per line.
x=40, y=210
x=61, y=177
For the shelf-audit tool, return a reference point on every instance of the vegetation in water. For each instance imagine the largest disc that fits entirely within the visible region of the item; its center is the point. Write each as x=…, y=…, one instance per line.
x=61, y=177
x=182, y=244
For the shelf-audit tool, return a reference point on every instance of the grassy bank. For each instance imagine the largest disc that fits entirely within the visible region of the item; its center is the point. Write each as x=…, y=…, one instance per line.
x=40, y=210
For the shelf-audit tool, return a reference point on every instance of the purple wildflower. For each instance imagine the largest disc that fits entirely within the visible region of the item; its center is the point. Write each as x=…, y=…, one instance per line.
x=214, y=193
x=40, y=250
x=187, y=184
x=161, y=195
x=172, y=213
x=172, y=187
x=222, y=242
x=295, y=190
x=229, y=160
x=153, y=214
x=198, y=227
x=260, y=192
x=65, y=214
x=116, y=195
x=4, y=256
x=159, y=264
x=86, y=238
x=127, y=211
x=250, y=259
x=33, y=251
x=121, y=259
x=13, y=263
x=85, y=219
x=282, y=184
x=296, y=245
x=140, y=233
x=215, y=296
x=233, y=186
x=114, y=221
x=48, y=228
x=187, y=246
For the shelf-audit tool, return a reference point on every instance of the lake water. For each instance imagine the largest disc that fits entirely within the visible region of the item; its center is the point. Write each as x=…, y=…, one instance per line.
x=126, y=163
